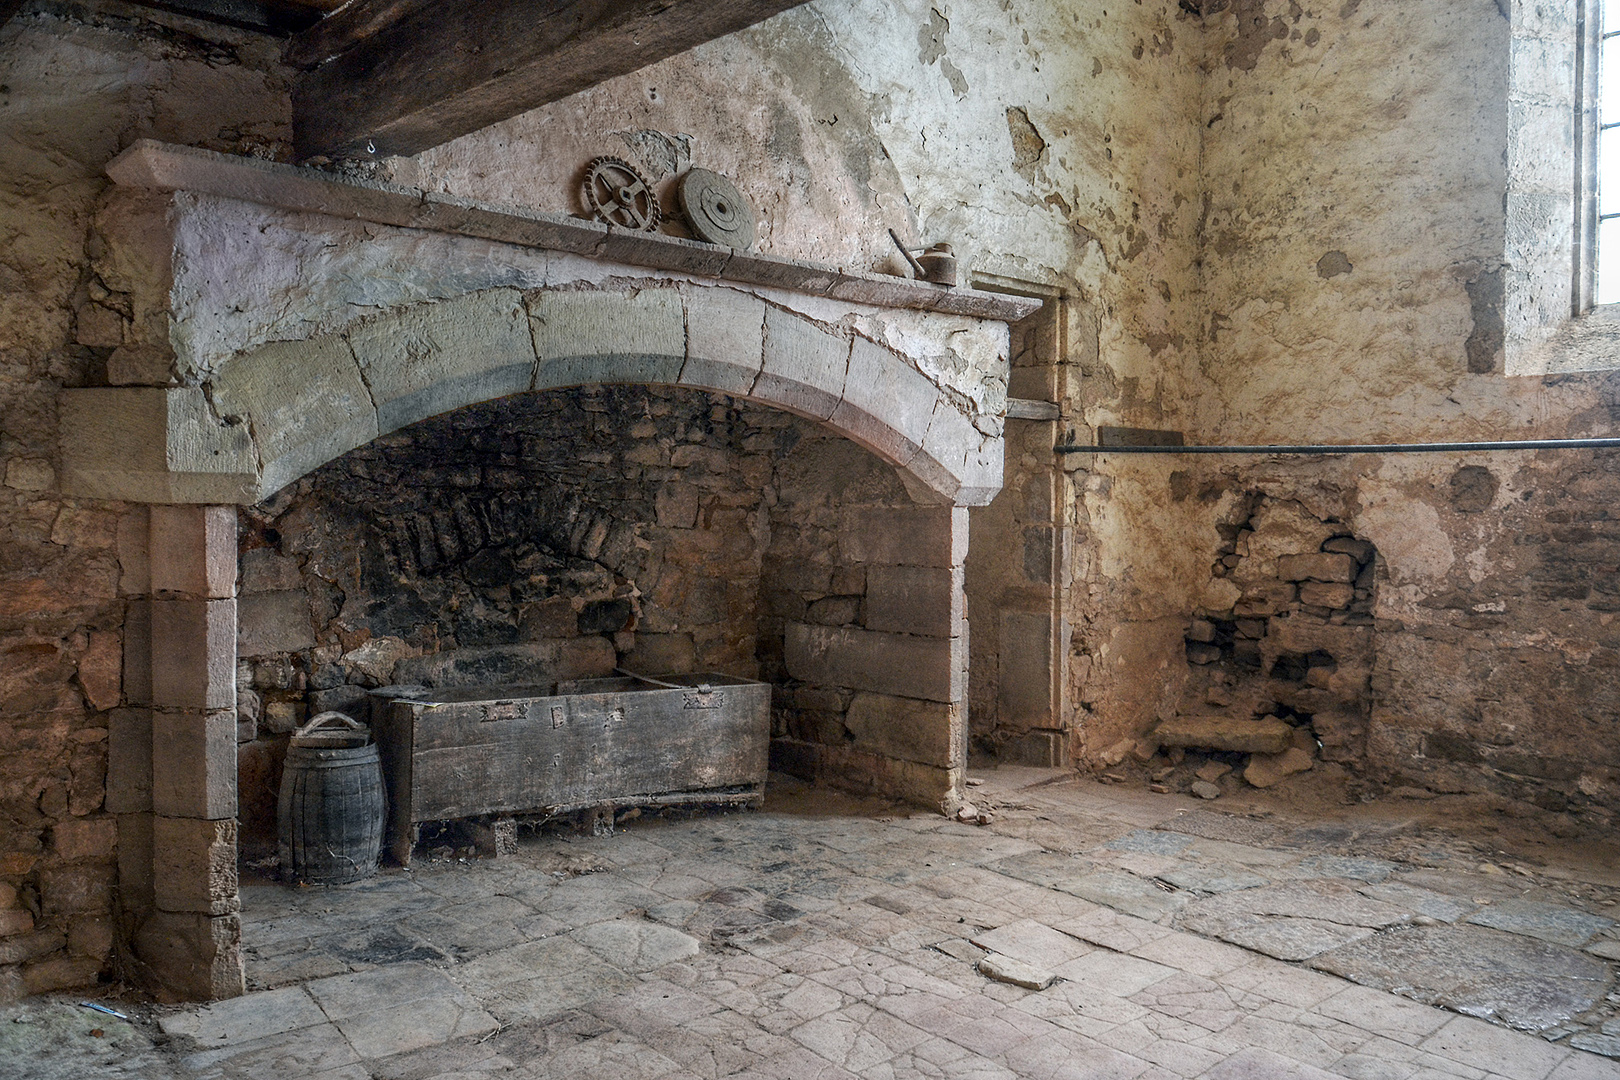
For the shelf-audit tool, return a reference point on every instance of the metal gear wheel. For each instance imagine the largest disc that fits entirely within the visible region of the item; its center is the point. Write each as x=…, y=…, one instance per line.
x=616, y=193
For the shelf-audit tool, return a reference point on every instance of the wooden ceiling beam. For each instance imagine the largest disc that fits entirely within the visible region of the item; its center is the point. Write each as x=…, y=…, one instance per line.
x=400, y=76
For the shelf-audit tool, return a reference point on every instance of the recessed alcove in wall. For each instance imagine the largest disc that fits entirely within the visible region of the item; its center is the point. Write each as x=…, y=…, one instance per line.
x=1017, y=571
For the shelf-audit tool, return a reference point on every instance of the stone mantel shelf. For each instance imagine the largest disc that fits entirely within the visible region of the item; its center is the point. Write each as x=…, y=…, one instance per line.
x=164, y=167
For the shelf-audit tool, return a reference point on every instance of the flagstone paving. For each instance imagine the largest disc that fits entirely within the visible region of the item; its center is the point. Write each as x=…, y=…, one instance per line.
x=846, y=943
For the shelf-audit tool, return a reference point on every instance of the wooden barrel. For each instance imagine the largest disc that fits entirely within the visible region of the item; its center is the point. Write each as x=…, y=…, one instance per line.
x=330, y=815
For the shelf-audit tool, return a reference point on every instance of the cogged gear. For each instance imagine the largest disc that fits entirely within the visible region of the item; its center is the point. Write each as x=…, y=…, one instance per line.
x=616, y=193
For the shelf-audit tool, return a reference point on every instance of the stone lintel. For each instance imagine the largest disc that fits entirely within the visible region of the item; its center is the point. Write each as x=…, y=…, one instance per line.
x=165, y=167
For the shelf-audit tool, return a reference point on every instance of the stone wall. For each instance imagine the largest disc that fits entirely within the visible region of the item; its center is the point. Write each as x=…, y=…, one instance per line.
x=1275, y=224
x=78, y=83
x=1356, y=285
x=527, y=540
x=862, y=627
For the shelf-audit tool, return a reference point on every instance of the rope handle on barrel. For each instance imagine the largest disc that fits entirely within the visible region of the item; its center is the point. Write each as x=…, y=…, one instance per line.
x=354, y=725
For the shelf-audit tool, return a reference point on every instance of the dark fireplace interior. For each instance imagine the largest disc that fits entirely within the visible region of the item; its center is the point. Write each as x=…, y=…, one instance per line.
x=548, y=536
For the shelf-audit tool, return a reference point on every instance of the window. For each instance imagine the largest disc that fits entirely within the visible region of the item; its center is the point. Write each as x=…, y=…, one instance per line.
x=1560, y=282
x=1606, y=174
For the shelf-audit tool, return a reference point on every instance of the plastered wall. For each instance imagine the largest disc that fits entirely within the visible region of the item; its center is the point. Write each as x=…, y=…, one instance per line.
x=1355, y=160
x=1272, y=222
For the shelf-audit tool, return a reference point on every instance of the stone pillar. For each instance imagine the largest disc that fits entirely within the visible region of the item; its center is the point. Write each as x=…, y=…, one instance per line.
x=191, y=940
x=907, y=662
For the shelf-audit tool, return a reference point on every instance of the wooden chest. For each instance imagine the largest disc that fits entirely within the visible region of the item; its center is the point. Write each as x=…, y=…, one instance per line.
x=468, y=752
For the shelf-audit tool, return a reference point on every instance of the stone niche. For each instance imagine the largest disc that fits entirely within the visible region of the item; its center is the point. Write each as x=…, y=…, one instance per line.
x=1284, y=674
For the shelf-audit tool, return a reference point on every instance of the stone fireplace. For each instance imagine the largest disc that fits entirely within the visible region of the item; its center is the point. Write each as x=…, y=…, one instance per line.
x=325, y=388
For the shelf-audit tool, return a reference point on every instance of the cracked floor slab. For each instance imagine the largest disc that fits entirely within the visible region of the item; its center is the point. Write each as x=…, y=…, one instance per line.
x=837, y=945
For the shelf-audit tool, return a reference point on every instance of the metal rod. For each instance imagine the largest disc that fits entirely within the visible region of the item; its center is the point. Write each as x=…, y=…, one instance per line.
x=1365, y=448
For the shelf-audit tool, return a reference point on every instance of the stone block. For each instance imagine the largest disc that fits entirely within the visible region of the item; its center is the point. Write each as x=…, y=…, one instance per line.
x=1267, y=770
x=135, y=885
x=76, y=889
x=850, y=769
x=306, y=401
x=273, y=622
x=927, y=732
x=1326, y=594
x=192, y=956
x=101, y=670
x=192, y=551
x=430, y=358
x=662, y=654
x=84, y=838
x=632, y=337
x=194, y=654
x=887, y=404
x=194, y=764
x=14, y=921
x=1008, y=970
x=137, y=673
x=282, y=717
x=134, y=553
x=905, y=535
x=586, y=658
x=30, y=946
x=957, y=460
x=925, y=600
x=99, y=327
x=194, y=865
x=60, y=973
x=1024, y=689
x=1268, y=735
x=1264, y=598
x=141, y=365
x=1330, y=566
x=154, y=445
x=30, y=474
x=91, y=937
x=676, y=506
x=129, y=761
x=896, y=664
x=725, y=333
x=804, y=366
x=1359, y=550
x=263, y=570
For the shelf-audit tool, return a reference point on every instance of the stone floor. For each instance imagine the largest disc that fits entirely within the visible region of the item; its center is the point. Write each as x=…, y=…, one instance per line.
x=824, y=938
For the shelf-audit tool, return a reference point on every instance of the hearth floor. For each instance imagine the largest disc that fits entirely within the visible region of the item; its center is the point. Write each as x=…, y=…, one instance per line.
x=828, y=938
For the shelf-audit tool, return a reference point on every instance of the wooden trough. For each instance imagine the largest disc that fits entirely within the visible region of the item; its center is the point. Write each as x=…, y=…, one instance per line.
x=487, y=752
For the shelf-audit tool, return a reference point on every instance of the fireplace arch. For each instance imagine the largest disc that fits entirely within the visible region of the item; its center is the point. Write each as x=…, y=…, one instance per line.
x=254, y=354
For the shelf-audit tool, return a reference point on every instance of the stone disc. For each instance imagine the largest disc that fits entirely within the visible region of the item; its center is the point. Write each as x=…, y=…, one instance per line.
x=716, y=210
